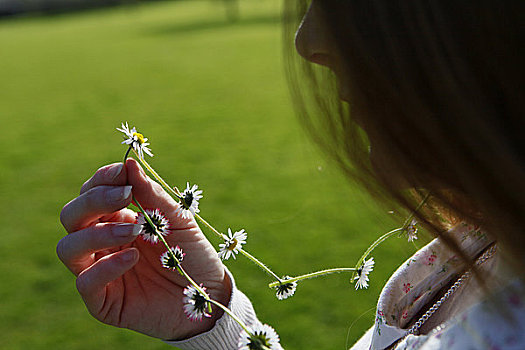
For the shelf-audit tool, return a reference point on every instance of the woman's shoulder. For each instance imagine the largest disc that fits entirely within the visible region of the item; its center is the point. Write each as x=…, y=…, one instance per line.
x=497, y=322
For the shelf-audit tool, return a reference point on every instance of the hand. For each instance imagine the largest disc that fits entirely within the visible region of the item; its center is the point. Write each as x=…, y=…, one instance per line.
x=119, y=276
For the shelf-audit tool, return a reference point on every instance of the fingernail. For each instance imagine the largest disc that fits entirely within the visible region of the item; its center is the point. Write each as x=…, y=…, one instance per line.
x=115, y=171
x=126, y=230
x=128, y=256
x=119, y=193
x=127, y=192
x=136, y=229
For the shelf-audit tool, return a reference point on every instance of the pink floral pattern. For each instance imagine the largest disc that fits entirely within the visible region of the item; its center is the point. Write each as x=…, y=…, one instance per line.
x=431, y=258
x=418, y=281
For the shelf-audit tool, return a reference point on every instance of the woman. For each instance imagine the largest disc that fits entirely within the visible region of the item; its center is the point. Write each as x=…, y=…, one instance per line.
x=436, y=88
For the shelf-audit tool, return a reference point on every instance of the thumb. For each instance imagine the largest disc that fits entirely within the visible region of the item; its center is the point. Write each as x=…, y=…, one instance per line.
x=151, y=195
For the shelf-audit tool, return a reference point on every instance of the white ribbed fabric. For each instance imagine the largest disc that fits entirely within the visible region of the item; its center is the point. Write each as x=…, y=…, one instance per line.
x=226, y=332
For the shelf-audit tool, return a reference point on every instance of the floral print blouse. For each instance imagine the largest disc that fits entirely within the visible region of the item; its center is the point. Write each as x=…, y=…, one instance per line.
x=412, y=289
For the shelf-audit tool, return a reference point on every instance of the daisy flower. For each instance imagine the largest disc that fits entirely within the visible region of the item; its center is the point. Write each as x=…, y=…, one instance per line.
x=160, y=222
x=167, y=258
x=233, y=244
x=261, y=335
x=189, y=202
x=195, y=304
x=362, y=273
x=285, y=290
x=136, y=140
x=412, y=230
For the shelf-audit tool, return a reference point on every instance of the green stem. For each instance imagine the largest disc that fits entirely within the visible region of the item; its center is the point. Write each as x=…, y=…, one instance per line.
x=244, y=252
x=312, y=275
x=260, y=264
x=411, y=216
x=230, y=313
x=179, y=267
x=221, y=235
x=235, y=318
x=146, y=216
x=127, y=154
x=391, y=233
x=164, y=184
x=375, y=244
x=177, y=195
x=161, y=237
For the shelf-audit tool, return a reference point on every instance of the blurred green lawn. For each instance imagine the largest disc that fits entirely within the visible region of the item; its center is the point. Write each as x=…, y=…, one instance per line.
x=211, y=97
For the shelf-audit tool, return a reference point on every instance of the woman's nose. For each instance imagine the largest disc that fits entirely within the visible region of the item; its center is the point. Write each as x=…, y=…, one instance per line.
x=311, y=38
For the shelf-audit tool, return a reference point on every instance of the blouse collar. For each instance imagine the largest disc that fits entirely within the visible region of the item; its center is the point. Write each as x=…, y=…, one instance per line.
x=416, y=282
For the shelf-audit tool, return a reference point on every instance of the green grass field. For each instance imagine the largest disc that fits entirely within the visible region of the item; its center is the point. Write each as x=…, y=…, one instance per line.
x=212, y=98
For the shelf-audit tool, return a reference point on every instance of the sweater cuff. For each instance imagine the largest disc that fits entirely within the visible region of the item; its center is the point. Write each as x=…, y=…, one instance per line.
x=226, y=332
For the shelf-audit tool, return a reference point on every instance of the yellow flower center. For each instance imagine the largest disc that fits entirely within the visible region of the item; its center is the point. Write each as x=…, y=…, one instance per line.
x=233, y=244
x=139, y=136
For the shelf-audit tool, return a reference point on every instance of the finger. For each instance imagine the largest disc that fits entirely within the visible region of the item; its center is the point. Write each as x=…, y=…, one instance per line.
x=123, y=215
x=112, y=174
x=76, y=249
x=151, y=195
x=91, y=283
x=87, y=208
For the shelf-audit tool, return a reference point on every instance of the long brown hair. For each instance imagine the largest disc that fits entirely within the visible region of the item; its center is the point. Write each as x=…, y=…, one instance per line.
x=439, y=85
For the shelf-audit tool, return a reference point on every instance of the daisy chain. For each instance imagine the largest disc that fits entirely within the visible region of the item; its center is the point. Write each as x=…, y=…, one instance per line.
x=362, y=273
x=135, y=140
x=262, y=337
x=189, y=203
x=167, y=258
x=233, y=244
x=160, y=222
x=412, y=230
x=195, y=304
x=285, y=290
